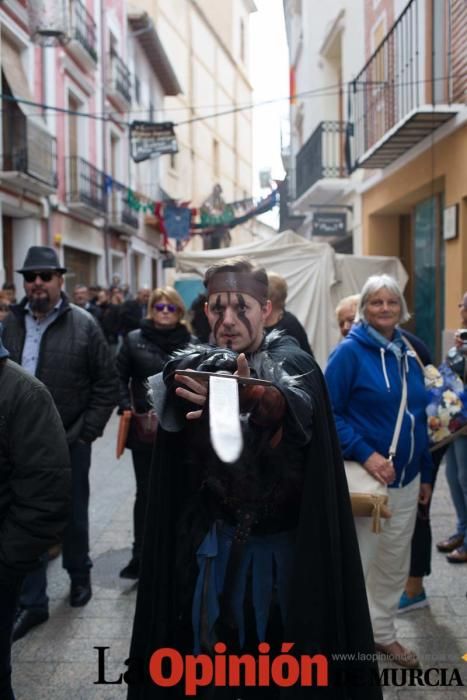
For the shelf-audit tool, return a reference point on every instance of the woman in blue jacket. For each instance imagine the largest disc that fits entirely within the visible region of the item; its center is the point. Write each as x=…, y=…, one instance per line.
x=364, y=376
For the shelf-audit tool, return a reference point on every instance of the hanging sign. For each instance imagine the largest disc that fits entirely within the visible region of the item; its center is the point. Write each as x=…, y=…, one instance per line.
x=328, y=224
x=148, y=139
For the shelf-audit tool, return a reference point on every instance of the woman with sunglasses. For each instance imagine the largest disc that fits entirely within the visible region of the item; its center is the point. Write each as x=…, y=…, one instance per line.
x=144, y=352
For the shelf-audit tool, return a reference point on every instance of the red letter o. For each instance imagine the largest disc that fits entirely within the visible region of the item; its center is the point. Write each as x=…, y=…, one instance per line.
x=176, y=667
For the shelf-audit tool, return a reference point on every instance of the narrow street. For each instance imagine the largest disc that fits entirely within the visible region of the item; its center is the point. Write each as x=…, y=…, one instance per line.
x=57, y=661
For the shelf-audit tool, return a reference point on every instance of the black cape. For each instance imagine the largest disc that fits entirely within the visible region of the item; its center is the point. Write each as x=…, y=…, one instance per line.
x=328, y=610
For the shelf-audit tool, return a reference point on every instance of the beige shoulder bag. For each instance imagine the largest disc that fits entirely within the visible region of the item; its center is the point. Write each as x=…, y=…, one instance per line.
x=368, y=496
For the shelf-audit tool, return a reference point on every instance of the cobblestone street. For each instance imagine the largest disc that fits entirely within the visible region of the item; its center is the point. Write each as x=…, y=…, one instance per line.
x=57, y=661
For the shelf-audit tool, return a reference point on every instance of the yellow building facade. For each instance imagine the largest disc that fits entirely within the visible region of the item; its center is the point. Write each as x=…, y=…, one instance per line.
x=409, y=139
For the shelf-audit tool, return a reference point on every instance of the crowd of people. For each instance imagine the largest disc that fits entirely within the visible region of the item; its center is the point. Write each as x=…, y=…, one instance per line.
x=260, y=547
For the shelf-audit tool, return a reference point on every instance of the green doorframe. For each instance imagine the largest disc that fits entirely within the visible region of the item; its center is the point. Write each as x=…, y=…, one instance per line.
x=428, y=273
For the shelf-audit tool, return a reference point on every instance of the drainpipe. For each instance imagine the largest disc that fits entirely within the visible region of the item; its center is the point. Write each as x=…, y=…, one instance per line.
x=105, y=230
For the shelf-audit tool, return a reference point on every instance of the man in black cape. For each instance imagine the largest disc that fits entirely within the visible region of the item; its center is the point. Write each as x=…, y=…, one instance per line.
x=261, y=550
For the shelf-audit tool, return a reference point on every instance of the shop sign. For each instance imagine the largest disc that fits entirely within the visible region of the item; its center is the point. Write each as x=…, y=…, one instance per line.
x=149, y=139
x=329, y=224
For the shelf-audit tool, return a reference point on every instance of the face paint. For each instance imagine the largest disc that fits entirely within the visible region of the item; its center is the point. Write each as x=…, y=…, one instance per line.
x=218, y=309
x=236, y=320
x=241, y=314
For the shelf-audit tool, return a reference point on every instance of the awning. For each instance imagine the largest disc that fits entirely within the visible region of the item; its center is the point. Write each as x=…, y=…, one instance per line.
x=16, y=78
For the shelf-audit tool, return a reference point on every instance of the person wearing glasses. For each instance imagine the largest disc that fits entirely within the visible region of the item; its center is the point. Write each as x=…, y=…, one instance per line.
x=63, y=346
x=143, y=353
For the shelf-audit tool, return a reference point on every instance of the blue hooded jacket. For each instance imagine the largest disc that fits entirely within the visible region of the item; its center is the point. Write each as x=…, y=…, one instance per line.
x=365, y=384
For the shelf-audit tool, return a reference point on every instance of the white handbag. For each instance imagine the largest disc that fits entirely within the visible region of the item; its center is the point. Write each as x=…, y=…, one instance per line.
x=369, y=497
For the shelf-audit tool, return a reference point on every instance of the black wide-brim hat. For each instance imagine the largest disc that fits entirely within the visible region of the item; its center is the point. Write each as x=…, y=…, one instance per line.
x=41, y=257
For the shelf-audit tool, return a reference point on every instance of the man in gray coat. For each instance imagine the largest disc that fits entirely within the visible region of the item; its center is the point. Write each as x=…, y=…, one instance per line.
x=63, y=346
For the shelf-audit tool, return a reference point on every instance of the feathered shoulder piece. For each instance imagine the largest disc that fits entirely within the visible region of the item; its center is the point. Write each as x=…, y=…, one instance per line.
x=209, y=358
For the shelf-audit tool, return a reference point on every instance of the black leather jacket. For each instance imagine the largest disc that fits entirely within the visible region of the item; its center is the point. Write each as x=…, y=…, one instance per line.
x=34, y=472
x=144, y=352
x=75, y=364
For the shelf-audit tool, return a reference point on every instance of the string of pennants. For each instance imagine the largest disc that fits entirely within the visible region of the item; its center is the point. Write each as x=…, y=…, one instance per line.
x=180, y=222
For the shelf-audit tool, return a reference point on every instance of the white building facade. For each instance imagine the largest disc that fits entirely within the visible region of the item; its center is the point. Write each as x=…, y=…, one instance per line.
x=326, y=50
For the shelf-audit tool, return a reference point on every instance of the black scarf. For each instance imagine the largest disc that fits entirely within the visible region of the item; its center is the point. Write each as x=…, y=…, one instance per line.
x=167, y=339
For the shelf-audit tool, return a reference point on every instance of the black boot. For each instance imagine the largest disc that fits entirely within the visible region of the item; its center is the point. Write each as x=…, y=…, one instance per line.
x=131, y=570
x=26, y=619
x=80, y=593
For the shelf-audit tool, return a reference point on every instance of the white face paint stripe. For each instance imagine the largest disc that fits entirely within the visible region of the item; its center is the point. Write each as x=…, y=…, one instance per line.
x=224, y=418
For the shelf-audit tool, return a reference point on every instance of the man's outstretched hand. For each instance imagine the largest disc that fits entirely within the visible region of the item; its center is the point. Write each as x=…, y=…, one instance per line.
x=265, y=404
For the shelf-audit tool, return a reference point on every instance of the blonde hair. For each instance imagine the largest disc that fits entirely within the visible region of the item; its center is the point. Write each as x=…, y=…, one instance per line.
x=277, y=290
x=174, y=298
x=351, y=300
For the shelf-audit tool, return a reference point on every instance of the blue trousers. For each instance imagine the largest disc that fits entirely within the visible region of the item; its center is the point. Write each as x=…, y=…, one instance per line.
x=76, y=537
x=456, y=475
x=8, y=601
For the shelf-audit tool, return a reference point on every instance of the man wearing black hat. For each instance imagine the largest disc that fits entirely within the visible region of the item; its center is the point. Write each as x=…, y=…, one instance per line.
x=63, y=346
x=34, y=489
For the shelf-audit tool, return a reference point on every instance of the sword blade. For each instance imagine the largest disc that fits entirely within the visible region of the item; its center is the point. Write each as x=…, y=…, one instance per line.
x=224, y=418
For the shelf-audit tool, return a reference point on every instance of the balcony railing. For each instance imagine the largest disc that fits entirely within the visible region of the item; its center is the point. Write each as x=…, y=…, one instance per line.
x=121, y=216
x=120, y=77
x=28, y=148
x=322, y=156
x=86, y=185
x=83, y=28
x=409, y=70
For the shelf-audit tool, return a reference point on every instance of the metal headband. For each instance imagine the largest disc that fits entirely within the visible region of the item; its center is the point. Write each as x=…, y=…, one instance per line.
x=238, y=282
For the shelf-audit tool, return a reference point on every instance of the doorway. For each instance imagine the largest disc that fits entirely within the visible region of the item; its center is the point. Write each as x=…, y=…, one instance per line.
x=428, y=273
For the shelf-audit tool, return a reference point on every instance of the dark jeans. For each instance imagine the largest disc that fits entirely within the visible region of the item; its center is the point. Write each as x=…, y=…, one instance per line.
x=76, y=537
x=420, y=555
x=142, y=466
x=8, y=602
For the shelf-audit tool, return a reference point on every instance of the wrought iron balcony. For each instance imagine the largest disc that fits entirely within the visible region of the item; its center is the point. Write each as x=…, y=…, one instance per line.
x=321, y=158
x=121, y=217
x=29, y=159
x=86, y=187
x=400, y=96
x=83, y=34
x=119, y=85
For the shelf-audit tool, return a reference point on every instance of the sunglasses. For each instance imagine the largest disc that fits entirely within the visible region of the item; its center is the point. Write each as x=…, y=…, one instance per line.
x=31, y=276
x=161, y=307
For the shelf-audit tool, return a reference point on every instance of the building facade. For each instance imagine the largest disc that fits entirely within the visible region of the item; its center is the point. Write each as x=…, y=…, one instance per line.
x=326, y=48
x=409, y=114
x=390, y=142
x=208, y=43
x=66, y=177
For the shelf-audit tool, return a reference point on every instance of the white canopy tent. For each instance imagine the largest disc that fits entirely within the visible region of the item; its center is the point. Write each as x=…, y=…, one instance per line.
x=316, y=275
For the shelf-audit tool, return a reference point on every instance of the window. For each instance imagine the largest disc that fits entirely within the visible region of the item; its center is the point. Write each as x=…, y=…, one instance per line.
x=114, y=156
x=378, y=34
x=242, y=41
x=137, y=90
x=215, y=157
x=113, y=44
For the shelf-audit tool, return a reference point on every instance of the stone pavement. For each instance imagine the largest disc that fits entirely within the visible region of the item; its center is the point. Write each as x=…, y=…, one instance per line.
x=57, y=661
